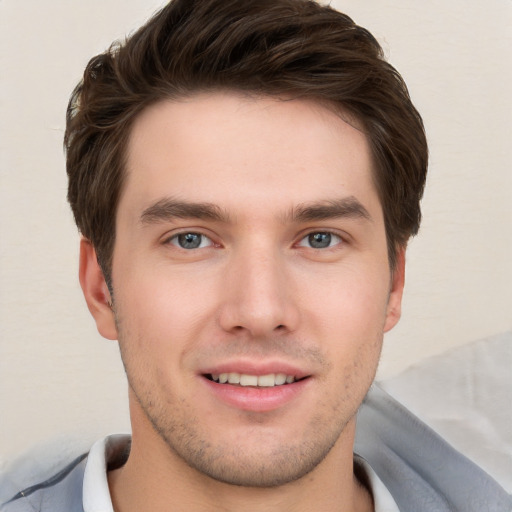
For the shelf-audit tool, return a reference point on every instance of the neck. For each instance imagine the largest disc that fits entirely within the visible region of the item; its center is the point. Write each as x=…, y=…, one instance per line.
x=155, y=478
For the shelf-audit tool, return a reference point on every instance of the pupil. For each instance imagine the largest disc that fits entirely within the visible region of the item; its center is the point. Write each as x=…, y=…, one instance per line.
x=189, y=240
x=320, y=240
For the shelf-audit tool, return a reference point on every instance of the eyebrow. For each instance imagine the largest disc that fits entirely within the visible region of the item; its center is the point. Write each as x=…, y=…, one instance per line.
x=348, y=207
x=168, y=209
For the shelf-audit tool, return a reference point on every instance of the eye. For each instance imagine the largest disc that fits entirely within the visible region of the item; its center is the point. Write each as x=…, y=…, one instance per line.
x=320, y=240
x=190, y=241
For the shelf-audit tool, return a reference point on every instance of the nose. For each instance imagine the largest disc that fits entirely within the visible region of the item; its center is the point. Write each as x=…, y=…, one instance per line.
x=258, y=296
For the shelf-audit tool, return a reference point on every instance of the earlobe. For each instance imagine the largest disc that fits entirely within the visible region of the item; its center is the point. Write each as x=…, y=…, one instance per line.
x=96, y=291
x=394, y=308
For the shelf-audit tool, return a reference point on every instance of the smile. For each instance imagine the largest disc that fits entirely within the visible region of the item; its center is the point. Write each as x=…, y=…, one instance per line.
x=258, y=390
x=243, y=379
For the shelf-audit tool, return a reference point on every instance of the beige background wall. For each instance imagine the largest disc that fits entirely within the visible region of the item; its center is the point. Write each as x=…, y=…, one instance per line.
x=59, y=378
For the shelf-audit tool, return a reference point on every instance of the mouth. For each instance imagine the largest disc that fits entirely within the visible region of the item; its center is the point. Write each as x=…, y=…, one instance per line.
x=257, y=389
x=258, y=381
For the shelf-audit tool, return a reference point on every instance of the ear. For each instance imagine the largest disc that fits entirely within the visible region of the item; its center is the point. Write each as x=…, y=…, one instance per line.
x=394, y=308
x=96, y=291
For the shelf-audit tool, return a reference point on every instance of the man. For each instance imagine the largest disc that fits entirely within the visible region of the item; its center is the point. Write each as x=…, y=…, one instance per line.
x=246, y=176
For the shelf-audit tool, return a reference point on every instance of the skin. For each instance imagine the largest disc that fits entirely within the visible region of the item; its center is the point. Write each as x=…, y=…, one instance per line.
x=255, y=293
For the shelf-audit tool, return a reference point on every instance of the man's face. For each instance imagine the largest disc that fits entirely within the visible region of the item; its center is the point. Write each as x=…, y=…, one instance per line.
x=250, y=247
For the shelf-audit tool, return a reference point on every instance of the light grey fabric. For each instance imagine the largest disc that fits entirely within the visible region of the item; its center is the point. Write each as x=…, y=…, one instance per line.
x=465, y=395
x=422, y=472
x=61, y=493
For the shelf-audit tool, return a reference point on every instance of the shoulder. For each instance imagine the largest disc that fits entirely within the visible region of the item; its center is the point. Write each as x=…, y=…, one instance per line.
x=62, y=492
x=420, y=469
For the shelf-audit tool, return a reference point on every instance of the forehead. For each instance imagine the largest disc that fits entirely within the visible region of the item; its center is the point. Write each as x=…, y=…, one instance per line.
x=239, y=150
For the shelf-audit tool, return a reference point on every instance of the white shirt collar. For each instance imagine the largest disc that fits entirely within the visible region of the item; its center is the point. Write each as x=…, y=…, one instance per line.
x=96, y=494
x=382, y=499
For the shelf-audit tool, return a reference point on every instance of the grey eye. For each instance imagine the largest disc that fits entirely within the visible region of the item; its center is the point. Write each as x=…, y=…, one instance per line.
x=191, y=241
x=320, y=240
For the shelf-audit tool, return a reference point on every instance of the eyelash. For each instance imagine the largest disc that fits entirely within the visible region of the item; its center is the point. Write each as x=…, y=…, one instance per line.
x=175, y=240
x=328, y=234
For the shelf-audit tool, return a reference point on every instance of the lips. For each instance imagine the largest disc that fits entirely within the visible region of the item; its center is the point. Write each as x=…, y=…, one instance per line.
x=244, y=379
x=255, y=387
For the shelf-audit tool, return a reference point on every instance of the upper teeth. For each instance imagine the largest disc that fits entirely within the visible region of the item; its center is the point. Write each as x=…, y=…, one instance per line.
x=272, y=379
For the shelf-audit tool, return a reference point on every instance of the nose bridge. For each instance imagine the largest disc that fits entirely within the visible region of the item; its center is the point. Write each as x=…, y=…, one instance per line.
x=257, y=297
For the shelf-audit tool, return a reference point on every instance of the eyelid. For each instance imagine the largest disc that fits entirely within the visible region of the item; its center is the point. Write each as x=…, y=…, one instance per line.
x=343, y=237
x=204, y=241
x=168, y=238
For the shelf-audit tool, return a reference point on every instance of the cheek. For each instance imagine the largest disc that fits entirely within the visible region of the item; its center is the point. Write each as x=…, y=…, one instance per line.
x=352, y=303
x=347, y=319
x=161, y=311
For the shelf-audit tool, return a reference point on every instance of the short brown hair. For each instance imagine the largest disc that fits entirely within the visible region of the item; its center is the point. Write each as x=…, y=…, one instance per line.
x=281, y=48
